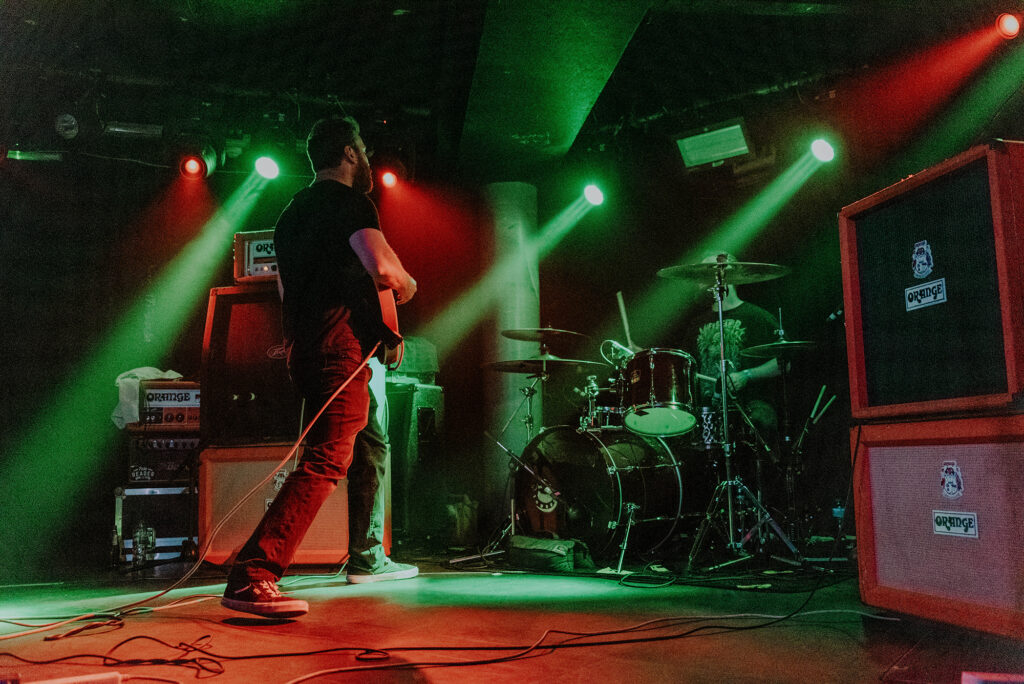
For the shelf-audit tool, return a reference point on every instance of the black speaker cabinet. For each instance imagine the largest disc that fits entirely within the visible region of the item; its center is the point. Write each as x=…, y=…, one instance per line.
x=932, y=277
x=247, y=394
x=415, y=417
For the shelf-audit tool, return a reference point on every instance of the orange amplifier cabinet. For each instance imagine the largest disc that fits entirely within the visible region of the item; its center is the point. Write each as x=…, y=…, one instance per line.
x=933, y=279
x=167, y=406
x=939, y=519
x=254, y=256
x=227, y=474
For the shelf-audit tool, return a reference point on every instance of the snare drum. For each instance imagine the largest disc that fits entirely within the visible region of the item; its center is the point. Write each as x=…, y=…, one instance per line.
x=708, y=434
x=659, y=392
x=603, y=410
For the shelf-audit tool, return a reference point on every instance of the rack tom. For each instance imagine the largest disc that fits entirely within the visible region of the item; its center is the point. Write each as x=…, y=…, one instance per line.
x=659, y=392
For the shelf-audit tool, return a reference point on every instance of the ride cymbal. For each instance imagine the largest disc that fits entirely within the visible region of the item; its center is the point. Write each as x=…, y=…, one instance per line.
x=778, y=350
x=538, y=364
x=733, y=272
x=542, y=335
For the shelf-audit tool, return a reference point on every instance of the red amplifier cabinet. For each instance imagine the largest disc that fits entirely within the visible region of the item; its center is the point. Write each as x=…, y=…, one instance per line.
x=933, y=272
x=940, y=520
x=247, y=395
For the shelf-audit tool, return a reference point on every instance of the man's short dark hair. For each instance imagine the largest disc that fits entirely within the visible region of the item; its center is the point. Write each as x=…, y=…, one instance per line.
x=328, y=139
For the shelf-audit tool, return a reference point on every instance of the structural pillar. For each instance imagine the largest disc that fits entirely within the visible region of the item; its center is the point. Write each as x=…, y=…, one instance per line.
x=516, y=304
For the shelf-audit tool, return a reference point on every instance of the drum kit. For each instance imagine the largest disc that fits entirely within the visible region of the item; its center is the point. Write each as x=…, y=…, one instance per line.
x=614, y=481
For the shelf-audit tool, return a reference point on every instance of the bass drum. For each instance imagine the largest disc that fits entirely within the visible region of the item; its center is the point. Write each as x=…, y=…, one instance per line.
x=587, y=484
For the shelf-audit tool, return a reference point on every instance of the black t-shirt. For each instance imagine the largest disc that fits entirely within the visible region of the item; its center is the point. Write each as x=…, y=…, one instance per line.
x=748, y=325
x=325, y=284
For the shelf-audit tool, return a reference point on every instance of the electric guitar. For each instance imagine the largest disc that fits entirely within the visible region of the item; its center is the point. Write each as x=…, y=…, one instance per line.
x=392, y=349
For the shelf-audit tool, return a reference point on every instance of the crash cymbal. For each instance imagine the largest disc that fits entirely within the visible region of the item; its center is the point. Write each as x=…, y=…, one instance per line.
x=776, y=350
x=734, y=272
x=538, y=364
x=542, y=335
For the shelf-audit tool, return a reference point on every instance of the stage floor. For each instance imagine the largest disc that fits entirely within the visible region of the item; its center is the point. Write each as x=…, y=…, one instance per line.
x=492, y=624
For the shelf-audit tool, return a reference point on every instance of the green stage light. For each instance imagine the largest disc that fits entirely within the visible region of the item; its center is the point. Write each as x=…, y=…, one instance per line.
x=268, y=168
x=822, y=150
x=593, y=194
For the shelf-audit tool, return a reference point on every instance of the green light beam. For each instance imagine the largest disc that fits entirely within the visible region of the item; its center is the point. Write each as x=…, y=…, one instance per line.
x=668, y=301
x=57, y=458
x=450, y=327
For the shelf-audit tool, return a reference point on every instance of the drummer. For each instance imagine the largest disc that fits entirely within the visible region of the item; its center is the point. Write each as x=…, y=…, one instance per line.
x=746, y=325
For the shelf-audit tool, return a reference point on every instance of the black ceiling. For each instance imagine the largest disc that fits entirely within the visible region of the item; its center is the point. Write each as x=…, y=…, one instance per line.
x=497, y=88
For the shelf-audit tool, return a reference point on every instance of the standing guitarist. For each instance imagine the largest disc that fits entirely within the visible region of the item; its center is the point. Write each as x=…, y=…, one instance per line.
x=333, y=262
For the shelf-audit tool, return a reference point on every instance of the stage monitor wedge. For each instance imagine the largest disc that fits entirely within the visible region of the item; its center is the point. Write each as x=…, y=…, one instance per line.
x=933, y=273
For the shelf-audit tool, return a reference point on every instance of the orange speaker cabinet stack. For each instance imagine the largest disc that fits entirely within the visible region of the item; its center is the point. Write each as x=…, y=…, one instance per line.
x=933, y=272
x=251, y=416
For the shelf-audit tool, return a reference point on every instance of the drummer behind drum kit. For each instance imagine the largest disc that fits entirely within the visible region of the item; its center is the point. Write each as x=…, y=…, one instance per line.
x=613, y=481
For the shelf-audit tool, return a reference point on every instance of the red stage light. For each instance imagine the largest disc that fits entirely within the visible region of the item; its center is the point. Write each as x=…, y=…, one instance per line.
x=1008, y=26
x=197, y=162
x=388, y=179
x=192, y=167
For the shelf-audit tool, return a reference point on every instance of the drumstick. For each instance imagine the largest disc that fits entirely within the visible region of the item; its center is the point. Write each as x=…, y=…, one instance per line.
x=818, y=402
x=705, y=378
x=625, y=320
x=823, y=409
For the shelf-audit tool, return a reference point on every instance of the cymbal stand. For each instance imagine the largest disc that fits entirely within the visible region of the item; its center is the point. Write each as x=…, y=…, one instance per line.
x=730, y=487
x=510, y=529
x=785, y=439
x=760, y=447
x=528, y=394
x=726, y=486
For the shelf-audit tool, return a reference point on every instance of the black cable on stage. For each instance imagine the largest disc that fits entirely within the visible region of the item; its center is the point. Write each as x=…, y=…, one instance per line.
x=209, y=662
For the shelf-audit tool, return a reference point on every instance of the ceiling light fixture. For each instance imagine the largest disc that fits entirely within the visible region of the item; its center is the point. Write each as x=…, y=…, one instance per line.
x=712, y=145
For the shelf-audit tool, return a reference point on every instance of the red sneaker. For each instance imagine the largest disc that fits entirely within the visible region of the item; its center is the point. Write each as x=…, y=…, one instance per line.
x=262, y=597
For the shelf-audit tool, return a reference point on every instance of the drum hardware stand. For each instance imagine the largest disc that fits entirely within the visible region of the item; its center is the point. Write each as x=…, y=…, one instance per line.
x=796, y=452
x=729, y=486
x=631, y=509
x=785, y=440
x=528, y=394
x=509, y=530
x=761, y=447
x=589, y=391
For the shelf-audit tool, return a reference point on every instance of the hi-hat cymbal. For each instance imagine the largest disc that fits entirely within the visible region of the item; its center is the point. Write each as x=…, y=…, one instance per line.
x=733, y=272
x=538, y=364
x=777, y=350
x=542, y=335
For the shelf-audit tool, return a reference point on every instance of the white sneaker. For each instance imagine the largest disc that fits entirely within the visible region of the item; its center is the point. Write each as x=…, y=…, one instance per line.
x=390, y=570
